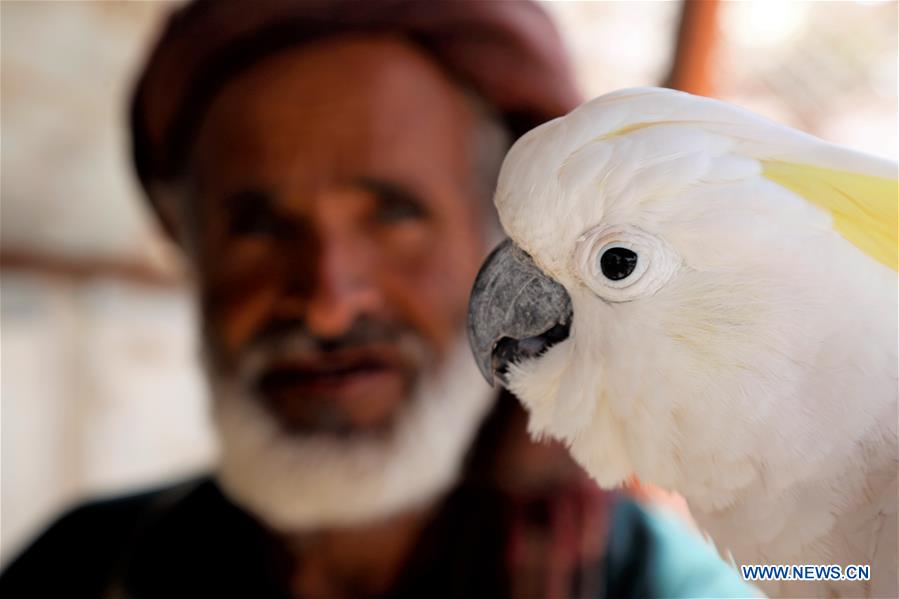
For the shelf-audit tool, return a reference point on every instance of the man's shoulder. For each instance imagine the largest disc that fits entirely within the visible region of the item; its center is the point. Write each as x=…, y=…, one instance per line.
x=113, y=516
x=83, y=548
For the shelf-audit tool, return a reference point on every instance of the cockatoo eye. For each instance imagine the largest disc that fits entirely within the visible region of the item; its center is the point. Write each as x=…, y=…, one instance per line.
x=617, y=263
x=621, y=263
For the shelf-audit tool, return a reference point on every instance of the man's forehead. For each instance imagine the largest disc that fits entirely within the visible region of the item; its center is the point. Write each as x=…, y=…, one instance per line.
x=375, y=80
x=341, y=99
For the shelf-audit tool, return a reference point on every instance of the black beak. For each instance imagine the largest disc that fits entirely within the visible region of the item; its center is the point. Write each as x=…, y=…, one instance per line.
x=515, y=311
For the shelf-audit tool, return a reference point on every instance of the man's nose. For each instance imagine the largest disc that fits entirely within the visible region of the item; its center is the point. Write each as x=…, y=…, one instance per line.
x=344, y=288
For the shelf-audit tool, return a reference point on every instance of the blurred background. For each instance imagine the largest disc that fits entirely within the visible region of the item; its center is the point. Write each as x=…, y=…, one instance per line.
x=100, y=385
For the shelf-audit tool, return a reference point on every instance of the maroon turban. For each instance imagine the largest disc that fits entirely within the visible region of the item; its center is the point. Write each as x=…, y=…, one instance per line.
x=508, y=52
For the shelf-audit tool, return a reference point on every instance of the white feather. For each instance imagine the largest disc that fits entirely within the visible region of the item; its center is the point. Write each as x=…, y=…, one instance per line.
x=760, y=381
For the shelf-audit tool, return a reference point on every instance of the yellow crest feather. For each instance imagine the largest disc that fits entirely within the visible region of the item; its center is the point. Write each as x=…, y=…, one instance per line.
x=863, y=207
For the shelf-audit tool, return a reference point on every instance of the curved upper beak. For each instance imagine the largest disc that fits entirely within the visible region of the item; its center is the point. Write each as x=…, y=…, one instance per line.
x=515, y=311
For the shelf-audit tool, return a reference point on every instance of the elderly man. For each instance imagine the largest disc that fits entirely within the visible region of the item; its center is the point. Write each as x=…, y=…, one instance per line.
x=327, y=168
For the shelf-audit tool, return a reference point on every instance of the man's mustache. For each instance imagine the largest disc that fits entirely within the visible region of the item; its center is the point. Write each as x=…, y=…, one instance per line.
x=363, y=332
x=293, y=339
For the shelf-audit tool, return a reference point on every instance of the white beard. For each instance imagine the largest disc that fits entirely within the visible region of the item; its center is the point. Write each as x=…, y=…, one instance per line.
x=297, y=482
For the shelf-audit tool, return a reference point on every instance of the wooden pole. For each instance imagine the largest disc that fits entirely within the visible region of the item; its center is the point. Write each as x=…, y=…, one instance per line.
x=691, y=69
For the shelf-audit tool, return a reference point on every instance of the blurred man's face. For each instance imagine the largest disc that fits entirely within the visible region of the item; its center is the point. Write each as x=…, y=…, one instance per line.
x=338, y=230
x=336, y=225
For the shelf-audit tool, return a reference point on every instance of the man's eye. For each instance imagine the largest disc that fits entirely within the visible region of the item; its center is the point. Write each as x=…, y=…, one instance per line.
x=394, y=202
x=251, y=214
x=393, y=210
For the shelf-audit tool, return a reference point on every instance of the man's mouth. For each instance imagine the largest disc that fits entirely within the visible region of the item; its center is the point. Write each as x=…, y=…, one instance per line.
x=288, y=377
x=341, y=391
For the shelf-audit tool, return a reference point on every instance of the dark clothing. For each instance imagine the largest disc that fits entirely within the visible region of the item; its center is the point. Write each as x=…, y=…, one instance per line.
x=183, y=541
x=190, y=541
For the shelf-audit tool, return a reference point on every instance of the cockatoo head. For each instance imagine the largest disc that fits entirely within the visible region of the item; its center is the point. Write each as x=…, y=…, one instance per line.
x=659, y=293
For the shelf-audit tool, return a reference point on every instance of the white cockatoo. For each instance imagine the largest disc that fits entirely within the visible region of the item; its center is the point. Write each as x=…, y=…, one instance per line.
x=707, y=300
